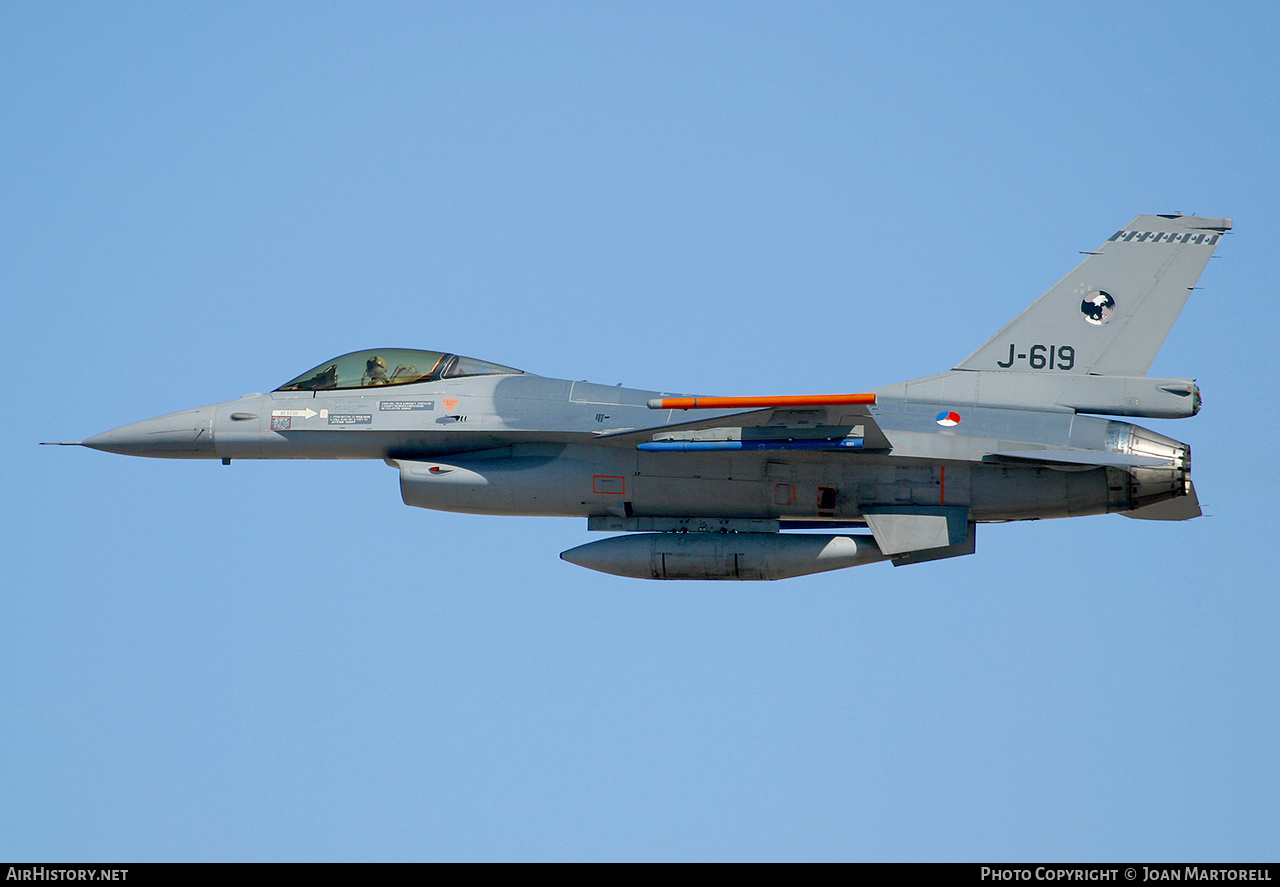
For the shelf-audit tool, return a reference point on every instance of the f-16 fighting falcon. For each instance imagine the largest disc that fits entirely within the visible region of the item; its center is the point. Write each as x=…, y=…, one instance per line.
x=705, y=487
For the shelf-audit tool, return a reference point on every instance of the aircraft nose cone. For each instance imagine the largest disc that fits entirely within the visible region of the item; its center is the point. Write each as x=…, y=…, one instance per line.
x=184, y=435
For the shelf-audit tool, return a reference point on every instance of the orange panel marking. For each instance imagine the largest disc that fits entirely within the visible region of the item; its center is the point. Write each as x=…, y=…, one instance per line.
x=733, y=403
x=612, y=484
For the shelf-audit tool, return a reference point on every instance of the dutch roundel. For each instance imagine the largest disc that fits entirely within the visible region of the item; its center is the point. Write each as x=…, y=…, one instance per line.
x=948, y=418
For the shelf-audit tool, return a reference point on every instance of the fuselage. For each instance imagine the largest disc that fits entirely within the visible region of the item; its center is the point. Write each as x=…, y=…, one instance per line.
x=522, y=444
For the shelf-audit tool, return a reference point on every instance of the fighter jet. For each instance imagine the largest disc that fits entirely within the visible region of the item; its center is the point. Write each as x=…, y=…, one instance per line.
x=706, y=487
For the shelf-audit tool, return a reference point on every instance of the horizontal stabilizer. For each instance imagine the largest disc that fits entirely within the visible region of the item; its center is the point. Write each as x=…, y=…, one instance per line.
x=1181, y=508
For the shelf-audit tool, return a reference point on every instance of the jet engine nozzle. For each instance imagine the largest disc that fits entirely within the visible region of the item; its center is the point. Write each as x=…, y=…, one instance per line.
x=1139, y=487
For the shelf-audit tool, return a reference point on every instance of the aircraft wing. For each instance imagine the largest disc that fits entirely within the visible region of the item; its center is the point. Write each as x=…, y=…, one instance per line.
x=808, y=422
x=1083, y=458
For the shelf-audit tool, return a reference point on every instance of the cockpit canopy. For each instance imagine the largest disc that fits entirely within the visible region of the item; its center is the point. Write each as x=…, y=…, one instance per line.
x=391, y=366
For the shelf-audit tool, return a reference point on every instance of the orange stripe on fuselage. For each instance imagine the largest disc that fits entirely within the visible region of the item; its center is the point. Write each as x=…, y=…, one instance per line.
x=746, y=403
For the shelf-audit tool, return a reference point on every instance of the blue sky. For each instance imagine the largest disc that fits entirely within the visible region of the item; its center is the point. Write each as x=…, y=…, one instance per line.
x=279, y=661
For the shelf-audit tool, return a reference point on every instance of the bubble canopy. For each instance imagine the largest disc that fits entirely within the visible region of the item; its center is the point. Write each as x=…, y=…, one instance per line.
x=391, y=366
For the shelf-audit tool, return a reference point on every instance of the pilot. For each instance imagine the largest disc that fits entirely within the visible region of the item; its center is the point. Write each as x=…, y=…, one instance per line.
x=375, y=372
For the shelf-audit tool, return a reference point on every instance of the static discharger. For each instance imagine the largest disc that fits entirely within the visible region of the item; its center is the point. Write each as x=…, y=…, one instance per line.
x=749, y=403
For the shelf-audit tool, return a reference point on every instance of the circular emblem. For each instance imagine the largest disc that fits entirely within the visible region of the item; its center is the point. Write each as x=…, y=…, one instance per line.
x=948, y=418
x=1098, y=307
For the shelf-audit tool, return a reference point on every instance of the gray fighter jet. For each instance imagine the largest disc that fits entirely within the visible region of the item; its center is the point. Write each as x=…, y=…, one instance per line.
x=702, y=487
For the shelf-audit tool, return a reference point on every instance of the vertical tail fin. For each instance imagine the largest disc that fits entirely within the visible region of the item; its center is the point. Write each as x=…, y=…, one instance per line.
x=1113, y=312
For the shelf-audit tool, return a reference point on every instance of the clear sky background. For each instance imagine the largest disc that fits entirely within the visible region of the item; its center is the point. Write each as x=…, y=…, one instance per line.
x=280, y=661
